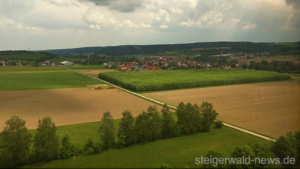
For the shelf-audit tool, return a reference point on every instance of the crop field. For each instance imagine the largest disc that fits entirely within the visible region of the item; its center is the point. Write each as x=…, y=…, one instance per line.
x=28, y=68
x=95, y=72
x=79, y=67
x=37, y=80
x=177, y=152
x=68, y=106
x=269, y=108
x=178, y=79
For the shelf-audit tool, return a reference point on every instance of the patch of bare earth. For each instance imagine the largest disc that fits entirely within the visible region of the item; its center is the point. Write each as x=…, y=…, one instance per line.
x=95, y=72
x=268, y=108
x=68, y=106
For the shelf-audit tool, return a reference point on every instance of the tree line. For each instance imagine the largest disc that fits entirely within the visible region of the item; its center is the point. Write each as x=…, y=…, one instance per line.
x=276, y=66
x=15, y=140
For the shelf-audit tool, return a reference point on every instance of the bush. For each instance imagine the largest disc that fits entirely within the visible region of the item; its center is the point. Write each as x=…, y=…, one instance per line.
x=91, y=148
x=67, y=150
x=218, y=124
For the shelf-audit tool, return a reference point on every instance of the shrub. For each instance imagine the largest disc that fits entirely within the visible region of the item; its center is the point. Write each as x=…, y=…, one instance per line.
x=218, y=124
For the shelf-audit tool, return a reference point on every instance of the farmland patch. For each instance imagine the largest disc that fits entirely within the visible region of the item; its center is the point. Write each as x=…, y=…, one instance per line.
x=37, y=80
x=68, y=106
x=80, y=67
x=268, y=108
x=95, y=72
x=178, y=79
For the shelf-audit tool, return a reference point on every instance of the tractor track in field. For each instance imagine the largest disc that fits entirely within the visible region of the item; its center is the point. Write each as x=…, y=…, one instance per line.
x=174, y=107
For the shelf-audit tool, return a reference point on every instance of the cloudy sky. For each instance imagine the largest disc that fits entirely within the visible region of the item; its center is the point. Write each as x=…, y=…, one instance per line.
x=56, y=24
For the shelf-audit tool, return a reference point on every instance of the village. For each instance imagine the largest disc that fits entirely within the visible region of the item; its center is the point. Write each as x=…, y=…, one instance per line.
x=153, y=63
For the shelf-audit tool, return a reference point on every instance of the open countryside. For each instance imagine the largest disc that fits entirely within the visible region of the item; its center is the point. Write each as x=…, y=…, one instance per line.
x=68, y=106
x=78, y=102
x=270, y=108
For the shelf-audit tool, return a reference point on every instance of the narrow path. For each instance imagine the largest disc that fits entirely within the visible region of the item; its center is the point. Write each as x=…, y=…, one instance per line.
x=172, y=107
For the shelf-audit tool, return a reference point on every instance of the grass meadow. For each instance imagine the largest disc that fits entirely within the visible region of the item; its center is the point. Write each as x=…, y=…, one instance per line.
x=37, y=78
x=178, y=152
x=179, y=79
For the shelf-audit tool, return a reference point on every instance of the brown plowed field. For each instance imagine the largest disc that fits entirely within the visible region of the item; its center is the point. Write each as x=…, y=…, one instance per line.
x=68, y=106
x=268, y=108
x=95, y=72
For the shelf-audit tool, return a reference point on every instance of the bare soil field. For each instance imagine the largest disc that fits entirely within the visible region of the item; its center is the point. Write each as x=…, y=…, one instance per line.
x=95, y=72
x=68, y=106
x=269, y=108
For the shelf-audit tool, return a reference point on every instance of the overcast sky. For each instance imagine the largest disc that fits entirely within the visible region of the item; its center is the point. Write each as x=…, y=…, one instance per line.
x=56, y=24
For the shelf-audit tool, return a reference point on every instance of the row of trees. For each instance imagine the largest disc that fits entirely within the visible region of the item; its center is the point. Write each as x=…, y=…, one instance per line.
x=150, y=126
x=276, y=66
x=16, y=142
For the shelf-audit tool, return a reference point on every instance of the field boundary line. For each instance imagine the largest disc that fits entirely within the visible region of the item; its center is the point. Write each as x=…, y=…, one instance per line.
x=173, y=107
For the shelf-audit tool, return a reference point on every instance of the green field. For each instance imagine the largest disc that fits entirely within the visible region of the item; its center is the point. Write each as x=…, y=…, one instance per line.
x=177, y=152
x=178, y=79
x=37, y=78
x=28, y=68
x=78, y=67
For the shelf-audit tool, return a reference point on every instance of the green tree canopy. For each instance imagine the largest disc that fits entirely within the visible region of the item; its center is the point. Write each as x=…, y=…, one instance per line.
x=14, y=143
x=126, y=129
x=107, y=131
x=169, y=126
x=46, y=143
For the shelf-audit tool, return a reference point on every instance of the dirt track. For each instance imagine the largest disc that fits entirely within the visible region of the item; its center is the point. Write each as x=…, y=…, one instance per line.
x=268, y=108
x=67, y=106
x=95, y=72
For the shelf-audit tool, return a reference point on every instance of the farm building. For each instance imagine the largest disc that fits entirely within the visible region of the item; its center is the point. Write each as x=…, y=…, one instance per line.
x=66, y=63
x=2, y=62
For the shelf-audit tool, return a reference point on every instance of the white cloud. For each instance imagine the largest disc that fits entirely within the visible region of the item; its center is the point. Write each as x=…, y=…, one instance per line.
x=73, y=22
x=130, y=24
x=164, y=26
x=250, y=27
x=95, y=26
x=235, y=20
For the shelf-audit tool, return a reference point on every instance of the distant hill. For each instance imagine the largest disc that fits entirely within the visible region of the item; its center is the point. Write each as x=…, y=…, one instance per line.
x=154, y=49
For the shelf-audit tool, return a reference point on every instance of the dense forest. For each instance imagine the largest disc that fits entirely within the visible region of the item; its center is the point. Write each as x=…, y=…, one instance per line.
x=248, y=47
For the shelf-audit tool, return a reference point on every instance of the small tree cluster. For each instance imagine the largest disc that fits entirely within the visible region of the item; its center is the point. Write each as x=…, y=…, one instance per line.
x=288, y=145
x=192, y=118
x=67, y=149
x=91, y=148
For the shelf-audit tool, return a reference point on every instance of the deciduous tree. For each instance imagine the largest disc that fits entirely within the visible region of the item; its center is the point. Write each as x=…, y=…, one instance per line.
x=14, y=143
x=169, y=126
x=107, y=131
x=126, y=129
x=209, y=115
x=46, y=143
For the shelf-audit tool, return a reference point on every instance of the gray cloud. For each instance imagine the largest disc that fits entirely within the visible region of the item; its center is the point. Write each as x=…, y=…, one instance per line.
x=48, y=24
x=294, y=3
x=120, y=5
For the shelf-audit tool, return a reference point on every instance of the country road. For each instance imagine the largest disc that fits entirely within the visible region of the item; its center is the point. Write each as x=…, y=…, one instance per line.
x=173, y=107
